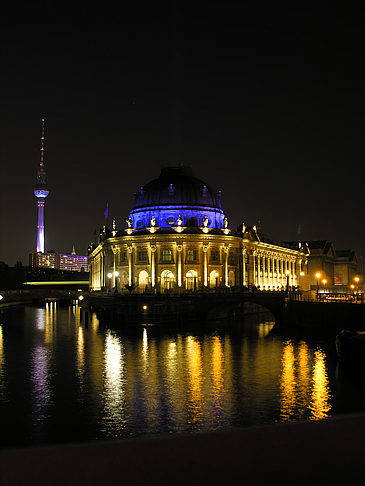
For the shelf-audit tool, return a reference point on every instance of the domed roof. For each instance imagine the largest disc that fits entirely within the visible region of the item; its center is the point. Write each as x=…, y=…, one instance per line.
x=176, y=186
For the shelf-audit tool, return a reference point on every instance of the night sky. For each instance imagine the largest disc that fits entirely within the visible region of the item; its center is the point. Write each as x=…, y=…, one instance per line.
x=264, y=102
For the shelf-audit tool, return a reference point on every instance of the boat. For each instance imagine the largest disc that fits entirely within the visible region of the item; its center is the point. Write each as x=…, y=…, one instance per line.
x=350, y=346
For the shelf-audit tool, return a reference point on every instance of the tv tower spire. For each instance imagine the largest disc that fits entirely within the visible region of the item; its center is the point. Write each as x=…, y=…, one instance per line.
x=41, y=192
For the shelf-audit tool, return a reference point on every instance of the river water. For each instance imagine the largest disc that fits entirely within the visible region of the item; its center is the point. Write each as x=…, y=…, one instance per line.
x=62, y=380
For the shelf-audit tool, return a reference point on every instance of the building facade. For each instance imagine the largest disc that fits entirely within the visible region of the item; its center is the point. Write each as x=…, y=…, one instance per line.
x=337, y=269
x=178, y=238
x=60, y=261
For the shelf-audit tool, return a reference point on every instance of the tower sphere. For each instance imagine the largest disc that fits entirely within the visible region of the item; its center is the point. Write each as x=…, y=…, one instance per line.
x=175, y=194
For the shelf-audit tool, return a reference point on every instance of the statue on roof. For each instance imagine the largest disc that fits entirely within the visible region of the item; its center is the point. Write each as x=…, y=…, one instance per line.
x=153, y=221
x=225, y=222
x=129, y=222
x=179, y=220
x=205, y=221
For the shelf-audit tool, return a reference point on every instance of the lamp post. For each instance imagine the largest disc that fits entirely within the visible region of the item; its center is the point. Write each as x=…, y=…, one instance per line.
x=324, y=281
x=318, y=276
x=110, y=280
x=287, y=273
x=357, y=280
x=352, y=287
x=216, y=278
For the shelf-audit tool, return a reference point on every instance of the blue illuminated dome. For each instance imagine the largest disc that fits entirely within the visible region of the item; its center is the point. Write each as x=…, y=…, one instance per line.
x=177, y=193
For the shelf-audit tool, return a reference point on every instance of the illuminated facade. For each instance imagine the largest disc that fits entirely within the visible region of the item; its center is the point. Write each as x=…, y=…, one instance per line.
x=178, y=238
x=61, y=261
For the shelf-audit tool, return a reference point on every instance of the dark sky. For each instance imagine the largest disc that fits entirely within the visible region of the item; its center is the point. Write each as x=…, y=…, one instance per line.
x=265, y=102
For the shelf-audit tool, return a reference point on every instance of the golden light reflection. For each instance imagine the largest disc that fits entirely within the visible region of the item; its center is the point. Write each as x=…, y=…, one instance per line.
x=194, y=360
x=303, y=378
x=264, y=328
x=320, y=403
x=50, y=321
x=114, y=383
x=287, y=383
x=304, y=383
x=217, y=368
x=80, y=351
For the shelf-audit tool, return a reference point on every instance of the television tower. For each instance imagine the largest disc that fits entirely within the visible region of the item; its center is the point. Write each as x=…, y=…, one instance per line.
x=41, y=192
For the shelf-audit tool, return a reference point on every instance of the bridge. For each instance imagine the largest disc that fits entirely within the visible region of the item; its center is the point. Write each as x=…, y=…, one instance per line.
x=290, y=313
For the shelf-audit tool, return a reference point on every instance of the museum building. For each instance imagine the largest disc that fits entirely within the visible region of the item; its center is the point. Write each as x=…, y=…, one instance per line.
x=177, y=238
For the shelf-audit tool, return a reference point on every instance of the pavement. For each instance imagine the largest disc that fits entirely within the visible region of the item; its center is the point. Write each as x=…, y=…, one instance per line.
x=309, y=452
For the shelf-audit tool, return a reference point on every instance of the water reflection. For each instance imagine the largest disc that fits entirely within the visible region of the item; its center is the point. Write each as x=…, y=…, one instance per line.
x=194, y=385
x=114, y=382
x=39, y=372
x=303, y=395
x=288, y=382
x=154, y=380
x=320, y=402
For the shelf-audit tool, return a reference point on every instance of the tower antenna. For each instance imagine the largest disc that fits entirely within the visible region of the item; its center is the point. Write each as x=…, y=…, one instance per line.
x=42, y=145
x=41, y=192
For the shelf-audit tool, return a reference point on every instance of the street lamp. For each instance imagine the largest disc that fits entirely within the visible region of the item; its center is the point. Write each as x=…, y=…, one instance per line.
x=318, y=276
x=357, y=280
x=216, y=274
x=287, y=273
x=324, y=281
x=110, y=280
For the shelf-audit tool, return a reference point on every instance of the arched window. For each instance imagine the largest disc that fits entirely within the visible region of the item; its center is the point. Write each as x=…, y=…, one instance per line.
x=191, y=280
x=142, y=280
x=167, y=280
x=214, y=278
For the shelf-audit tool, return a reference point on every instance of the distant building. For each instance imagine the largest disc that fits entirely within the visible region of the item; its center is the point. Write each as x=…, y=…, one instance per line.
x=337, y=268
x=60, y=261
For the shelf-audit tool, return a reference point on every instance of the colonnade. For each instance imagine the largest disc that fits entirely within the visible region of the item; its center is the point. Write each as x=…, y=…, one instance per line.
x=264, y=269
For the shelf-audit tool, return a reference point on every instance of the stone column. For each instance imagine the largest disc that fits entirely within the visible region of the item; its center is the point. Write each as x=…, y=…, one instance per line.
x=226, y=250
x=244, y=267
x=264, y=278
x=205, y=265
x=254, y=273
x=259, y=271
x=130, y=265
x=179, y=265
x=153, y=265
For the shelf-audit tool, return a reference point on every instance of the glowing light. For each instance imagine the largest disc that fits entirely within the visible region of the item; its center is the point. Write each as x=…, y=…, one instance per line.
x=287, y=273
x=144, y=307
x=302, y=274
x=109, y=275
x=318, y=275
x=1, y=297
x=81, y=297
x=114, y=379
x=116, y=273
x=320, y=403
x=357, y=279
x=287, y=383
x=64, y=282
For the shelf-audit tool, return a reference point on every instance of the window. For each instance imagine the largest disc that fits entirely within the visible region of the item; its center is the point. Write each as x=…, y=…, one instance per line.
x=214, y=256
x=231, y=259
x=142, y=256
x=123, y=257
x=166, y=256
x=192, y=256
